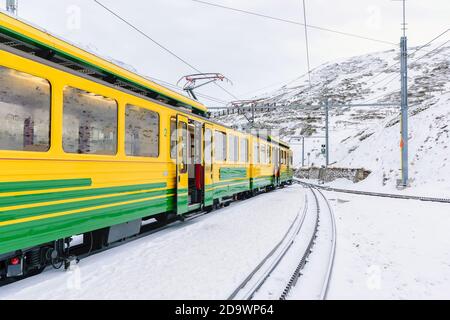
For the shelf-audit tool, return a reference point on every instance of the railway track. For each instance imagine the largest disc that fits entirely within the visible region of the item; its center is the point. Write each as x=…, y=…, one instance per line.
x=251, y=284
x=314, y=221
x=374, y=194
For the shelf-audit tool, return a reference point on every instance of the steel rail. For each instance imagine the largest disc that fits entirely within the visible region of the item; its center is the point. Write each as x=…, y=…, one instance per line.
x=297, y=224
x=327, y=279
x=375, y=194
x=297, y=273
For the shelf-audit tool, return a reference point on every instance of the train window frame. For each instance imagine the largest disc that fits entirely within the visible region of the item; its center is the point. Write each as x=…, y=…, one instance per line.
x=233, y=148
x=256, y=153
x=224, y=147
x=48, y=143
x=183, y=155
x=263, y=152
x=117, y=125
x=208, y=156
x=173, y=138
x=158, y=135
x=243, y=152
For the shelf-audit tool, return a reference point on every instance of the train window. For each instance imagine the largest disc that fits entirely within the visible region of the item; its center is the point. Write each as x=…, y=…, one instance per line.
x=183, y=159
x=220, y=146
x=244, y=150
x=274, y=155
x=236, y=149
x=233, y=148
x=173, y=138
x=208, y=147
x=141, y=132
x=256, y=152
x=89, y=123
x=269, y=154
x=263, y=154
x=24, y=111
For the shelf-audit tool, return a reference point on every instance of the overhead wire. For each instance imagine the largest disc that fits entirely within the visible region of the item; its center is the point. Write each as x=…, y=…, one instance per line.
x=307, y=44
x=292, y=22
x=164, y=48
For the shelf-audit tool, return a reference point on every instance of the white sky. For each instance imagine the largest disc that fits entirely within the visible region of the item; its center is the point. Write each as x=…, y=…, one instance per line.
x=253, y=52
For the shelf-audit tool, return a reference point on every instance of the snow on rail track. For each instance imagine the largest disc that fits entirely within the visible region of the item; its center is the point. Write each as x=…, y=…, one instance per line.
x=317, y=272
x=250, y=285
x=203, y=258
x=312, y=233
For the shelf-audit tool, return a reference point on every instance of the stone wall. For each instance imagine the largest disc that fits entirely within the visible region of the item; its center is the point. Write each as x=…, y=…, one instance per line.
x=331, y=174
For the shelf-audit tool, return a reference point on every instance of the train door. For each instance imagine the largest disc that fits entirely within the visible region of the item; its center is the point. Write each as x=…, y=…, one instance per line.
x=208, y=164
x=276, y=161
x=182, y=164
x=195, y=165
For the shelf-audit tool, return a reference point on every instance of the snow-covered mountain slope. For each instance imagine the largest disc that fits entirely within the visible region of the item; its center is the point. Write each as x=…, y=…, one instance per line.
x=369, y=136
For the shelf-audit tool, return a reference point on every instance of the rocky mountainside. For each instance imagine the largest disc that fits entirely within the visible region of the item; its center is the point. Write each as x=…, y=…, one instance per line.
x=367, y=136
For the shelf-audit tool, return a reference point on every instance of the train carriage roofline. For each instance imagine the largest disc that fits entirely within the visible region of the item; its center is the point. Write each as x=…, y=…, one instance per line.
x=277, y=141
x=25, y=37
x=199, y=117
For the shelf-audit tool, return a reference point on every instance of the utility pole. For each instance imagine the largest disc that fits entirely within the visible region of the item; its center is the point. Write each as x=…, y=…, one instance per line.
x=12, y=6
x=327, y=135
x=307, y=43
x=404, y=101
x=303, y=151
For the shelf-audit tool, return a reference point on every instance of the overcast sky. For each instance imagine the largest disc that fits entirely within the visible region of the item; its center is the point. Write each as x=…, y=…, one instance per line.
x=253, y=52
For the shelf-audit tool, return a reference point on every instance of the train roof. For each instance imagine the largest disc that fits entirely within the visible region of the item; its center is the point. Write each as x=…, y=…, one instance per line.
x=23, y=36
x=280, y=142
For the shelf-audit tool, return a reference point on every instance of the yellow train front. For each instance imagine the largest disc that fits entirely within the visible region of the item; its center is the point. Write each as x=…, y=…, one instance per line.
x=88, y=148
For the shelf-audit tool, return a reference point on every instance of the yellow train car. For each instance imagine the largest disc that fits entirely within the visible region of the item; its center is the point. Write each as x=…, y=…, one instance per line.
x=88, y=148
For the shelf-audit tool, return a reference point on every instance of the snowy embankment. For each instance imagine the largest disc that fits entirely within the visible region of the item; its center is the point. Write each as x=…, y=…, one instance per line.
x=429, y=155
x=390, y=249
x=202, y=259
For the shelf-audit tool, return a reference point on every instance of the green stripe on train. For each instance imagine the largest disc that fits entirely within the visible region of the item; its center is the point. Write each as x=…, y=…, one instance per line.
x=29, y=234
x=66, y=195
x=76, y=205
x=231, y=173
x=261, y=182
x=20, y=186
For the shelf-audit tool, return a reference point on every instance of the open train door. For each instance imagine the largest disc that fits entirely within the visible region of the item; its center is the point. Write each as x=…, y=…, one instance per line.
x=182, y=165
x=208, y=164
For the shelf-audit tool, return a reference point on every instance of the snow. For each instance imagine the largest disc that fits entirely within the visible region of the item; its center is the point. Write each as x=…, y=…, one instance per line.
x=202, y=259
x=273, y=287
x=314, y=282
x=390, y=249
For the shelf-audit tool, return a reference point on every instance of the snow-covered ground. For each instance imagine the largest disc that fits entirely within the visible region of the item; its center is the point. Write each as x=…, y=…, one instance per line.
x=386, y=249
x=202, y=259
x=390, y=249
